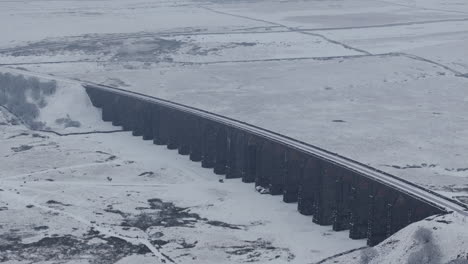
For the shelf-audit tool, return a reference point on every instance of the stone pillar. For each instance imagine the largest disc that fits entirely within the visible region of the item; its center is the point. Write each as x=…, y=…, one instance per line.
x=294, y=166
x=155, y=117
x=108, y=104
x=161, y=129
x=342, y=213
x=208, y=144
x=264, y=162
x=117, y=110
x=241, y=155
x=325, y=199
x=184, y=134
x=380, y=198
x=126, y=116
x=308, y=186
x=398, y=214
x=251, y=160
x=237, y=154
x=172, y=124
x=278, y=169
x=231, y=153
x=148, y=121
x=221, y=152
x=137, y=117
x=195, y=138
x=360, y=191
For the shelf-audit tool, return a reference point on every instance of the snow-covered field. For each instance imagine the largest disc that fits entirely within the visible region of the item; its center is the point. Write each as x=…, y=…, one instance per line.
x=114, y=198
x=380, y=81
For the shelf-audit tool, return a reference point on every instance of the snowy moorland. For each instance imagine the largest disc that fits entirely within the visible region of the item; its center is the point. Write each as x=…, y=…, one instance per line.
x=383, y=82
x=71, y=195
x=114, y=198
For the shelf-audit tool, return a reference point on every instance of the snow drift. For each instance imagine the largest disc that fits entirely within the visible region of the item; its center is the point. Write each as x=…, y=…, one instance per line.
x=439, y=239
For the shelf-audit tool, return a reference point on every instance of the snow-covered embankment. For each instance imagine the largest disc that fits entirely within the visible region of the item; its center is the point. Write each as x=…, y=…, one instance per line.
x=44, y=103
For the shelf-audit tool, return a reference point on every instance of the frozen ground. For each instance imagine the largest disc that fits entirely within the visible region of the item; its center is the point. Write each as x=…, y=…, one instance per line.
x=114, y=198
x=383, y=82
x=434, y=240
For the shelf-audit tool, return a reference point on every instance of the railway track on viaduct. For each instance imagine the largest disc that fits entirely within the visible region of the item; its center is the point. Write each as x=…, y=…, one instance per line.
x=335, y=190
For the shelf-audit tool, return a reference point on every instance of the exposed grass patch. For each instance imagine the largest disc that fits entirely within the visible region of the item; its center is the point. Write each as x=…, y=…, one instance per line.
x=67, y=122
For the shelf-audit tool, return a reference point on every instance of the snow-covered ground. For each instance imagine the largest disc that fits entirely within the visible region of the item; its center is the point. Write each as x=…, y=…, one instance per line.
x=434, y=240
x=114, y=198
x=380, y=81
